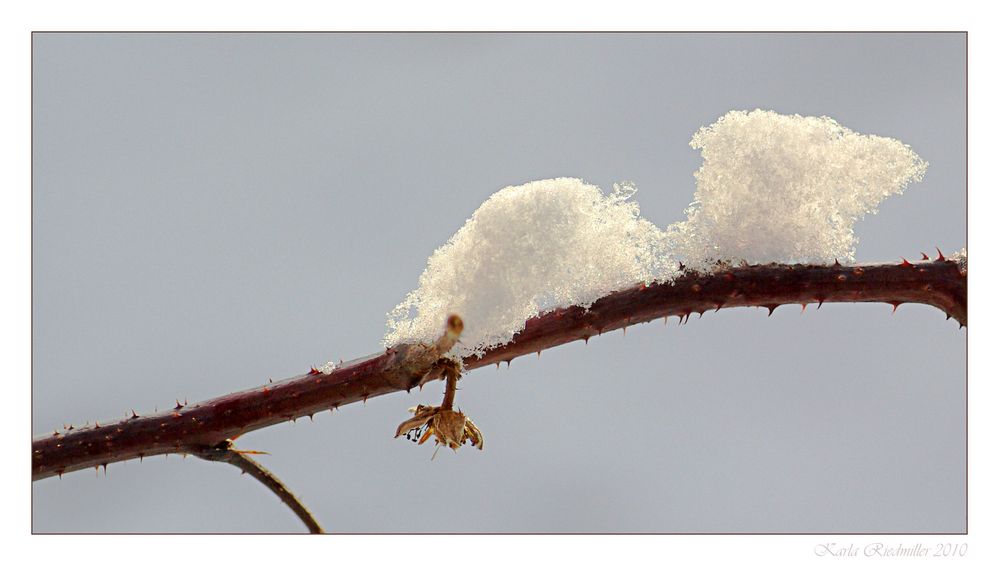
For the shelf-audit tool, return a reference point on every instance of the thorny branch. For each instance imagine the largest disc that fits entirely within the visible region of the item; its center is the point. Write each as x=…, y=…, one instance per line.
x=187, y=429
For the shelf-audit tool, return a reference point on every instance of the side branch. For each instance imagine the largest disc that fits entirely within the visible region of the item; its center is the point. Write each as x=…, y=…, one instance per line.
x=224, y=452
x=940, y=283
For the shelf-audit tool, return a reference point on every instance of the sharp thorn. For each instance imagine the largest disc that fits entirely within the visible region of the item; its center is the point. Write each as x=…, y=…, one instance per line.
x=925, y=257
x=771, y=309
x=905, y=263
x=940, y=256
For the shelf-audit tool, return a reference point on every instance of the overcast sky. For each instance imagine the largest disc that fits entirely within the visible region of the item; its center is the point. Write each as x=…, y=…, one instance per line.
x=210, y=211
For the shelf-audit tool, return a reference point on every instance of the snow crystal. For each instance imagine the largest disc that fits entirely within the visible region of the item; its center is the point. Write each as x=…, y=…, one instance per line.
x=786, y=188
x=772, y=188
x=528, y=249
x=961, y=258
x=327, y=368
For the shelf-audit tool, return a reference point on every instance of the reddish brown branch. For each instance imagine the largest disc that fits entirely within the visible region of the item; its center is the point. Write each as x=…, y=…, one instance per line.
x=940, y=283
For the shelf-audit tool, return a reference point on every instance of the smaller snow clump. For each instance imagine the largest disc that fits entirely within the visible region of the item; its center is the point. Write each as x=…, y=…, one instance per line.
x=786, y=188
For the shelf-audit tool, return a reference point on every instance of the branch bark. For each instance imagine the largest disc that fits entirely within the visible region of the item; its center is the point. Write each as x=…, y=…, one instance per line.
x=940, y=283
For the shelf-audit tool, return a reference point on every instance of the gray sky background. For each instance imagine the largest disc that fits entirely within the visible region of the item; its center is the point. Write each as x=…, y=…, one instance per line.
x=210, y=211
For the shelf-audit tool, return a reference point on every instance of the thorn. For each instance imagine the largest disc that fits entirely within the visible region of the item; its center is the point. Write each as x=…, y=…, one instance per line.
x=624, y=331
x=134, y=415
x=105, y=466
x=178, y=406
x=718, y=306
x=905, y=263
x=682, y=266
x=948, y=316
x=508, y=362
x=539, y=353
x=311, y=419
x=141, y=456
x=894, y=305
x=269, y=380
x=940, y=256
x=836, y=262
x=497, y=366
x=364, y=400
x=771, y=308
x=60, y=472
x=313, y=370
x=803, y=307
x=55, y=433
x=97, y=424
x=820, y=300
x=925, y=257
x=586, y=340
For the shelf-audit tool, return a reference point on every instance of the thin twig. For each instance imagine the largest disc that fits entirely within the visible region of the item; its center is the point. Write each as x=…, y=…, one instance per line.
x=940, y=283
x=224, y=452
